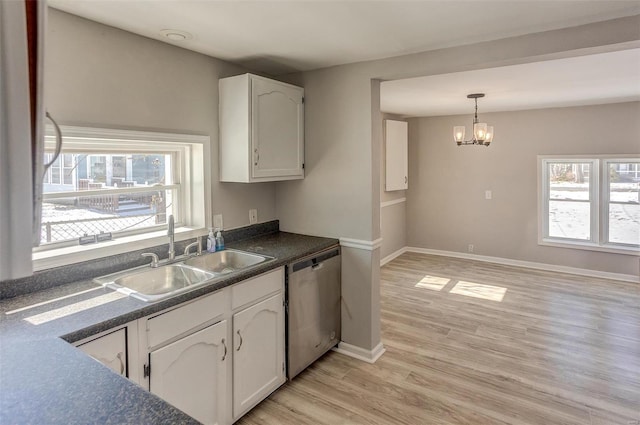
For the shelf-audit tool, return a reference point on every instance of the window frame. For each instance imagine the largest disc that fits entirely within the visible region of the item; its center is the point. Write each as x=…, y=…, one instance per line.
x=187, y=152
x=598, y=201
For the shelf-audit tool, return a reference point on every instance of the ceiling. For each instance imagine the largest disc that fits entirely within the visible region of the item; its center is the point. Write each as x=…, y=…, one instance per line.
x=278, y=37
x=585, y=80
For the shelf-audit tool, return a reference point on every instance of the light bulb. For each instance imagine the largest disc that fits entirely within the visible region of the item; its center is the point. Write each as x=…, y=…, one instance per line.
x=458, y=133
x=489, y=136
x=480, y=131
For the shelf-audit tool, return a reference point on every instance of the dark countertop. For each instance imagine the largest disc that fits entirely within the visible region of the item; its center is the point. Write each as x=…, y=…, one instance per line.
x=45, y=380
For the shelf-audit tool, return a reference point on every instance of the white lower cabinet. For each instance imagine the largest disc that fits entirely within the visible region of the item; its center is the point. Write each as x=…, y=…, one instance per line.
x=214, y=357
x=258, y=359
x=191, y=373
x=219, y=355
x=110, y=350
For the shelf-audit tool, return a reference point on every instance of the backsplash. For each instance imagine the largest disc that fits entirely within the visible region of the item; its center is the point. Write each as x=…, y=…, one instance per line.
x=49, y=278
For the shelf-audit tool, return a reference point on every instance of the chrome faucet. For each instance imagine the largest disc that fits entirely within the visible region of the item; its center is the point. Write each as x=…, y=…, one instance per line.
x=197, y=244
x=170, y=233
x=154, y=258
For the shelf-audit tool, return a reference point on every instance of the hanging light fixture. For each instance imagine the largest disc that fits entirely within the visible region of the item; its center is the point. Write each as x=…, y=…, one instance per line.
x=482, y=133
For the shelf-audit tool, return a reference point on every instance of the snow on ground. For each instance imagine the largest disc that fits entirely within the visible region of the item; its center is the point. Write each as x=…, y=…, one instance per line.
x=68, y=222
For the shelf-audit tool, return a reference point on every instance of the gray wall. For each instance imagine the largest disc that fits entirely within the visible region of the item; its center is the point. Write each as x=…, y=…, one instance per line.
x=99, y=76
x=446, y=208
x=343, y=134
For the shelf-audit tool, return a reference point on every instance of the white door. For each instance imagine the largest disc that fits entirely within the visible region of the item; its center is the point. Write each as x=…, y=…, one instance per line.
x=110, y=350
x=258, y=358
x=191, y=373
x=277, y=129
x=397, y=155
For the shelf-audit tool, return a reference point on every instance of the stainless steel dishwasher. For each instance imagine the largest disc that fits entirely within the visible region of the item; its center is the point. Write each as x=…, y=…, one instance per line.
x=313, y=305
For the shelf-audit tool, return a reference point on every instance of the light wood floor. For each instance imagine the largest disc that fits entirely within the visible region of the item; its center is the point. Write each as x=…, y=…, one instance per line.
x=555, y=349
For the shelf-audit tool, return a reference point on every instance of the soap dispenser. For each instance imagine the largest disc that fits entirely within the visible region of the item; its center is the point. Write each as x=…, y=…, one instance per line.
x=219, y=241
x=211, y=241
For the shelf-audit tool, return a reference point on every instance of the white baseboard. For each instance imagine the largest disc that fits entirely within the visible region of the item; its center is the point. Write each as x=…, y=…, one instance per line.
x=528, y=264
x=369, y=356
x=393, y=256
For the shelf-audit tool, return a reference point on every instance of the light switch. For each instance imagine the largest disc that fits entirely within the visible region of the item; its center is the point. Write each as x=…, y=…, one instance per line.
x=487, y=194
x=217, y=221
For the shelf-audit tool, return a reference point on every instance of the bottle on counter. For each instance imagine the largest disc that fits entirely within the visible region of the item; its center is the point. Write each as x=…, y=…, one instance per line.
x=211, y=241
x=219, y=241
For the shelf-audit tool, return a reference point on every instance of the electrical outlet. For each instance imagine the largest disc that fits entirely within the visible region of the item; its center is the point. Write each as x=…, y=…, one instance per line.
x=488, y=194
x=217, y=221
x=253, y=216
x=470, y=247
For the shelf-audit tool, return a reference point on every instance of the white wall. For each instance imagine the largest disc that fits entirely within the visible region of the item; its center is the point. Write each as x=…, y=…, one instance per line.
x=446, y=208
x=104, y=77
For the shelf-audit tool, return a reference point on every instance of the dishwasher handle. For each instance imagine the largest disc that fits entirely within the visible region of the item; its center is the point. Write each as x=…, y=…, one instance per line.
x=315, y=262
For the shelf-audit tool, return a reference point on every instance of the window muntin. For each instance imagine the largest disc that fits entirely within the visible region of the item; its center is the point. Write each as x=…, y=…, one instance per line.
x=590, y=202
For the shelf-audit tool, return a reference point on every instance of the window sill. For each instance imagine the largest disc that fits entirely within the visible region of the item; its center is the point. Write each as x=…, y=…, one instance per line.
x=591, y=247
x=78, y=253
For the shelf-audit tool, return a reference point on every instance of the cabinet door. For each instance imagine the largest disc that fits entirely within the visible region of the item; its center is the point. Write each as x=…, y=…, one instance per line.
x=277, y=129
x=191, y=373
x=397, y=155
x=258, y=358
x=110, y=350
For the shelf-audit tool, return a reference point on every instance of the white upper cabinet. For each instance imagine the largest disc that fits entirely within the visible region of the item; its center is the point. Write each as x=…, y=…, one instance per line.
x=397, y=155
x=261, y=130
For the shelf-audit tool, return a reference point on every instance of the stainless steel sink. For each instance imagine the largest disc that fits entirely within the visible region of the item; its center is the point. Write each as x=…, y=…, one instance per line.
x=227, y=261
x=153, y=284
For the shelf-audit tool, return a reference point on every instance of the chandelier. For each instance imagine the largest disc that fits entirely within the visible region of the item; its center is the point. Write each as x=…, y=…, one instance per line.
x=482, y=134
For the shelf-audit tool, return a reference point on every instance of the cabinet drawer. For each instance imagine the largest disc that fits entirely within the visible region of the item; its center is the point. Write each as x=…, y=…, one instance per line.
x=256, y=288
x=182, y=319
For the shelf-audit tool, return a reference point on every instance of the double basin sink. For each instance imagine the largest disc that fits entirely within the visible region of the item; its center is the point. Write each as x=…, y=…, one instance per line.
x=154, y=284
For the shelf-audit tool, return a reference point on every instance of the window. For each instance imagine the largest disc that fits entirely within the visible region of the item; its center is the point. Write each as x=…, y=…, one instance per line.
x=120, y=182
x=590, y=202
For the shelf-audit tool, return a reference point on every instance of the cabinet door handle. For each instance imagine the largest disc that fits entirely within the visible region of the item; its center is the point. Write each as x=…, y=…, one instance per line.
x=405, y=179
x=119, y=356
x=257, y=156
x=224, y=356
x=240, y=345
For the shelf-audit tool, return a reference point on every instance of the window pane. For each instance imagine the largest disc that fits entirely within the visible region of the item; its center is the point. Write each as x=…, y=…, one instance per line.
x=569, y=219
x=624, y=203
x=569, y=181
x=569, y=196
x=151, y=169
x=69, y=218
x=83, y=171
